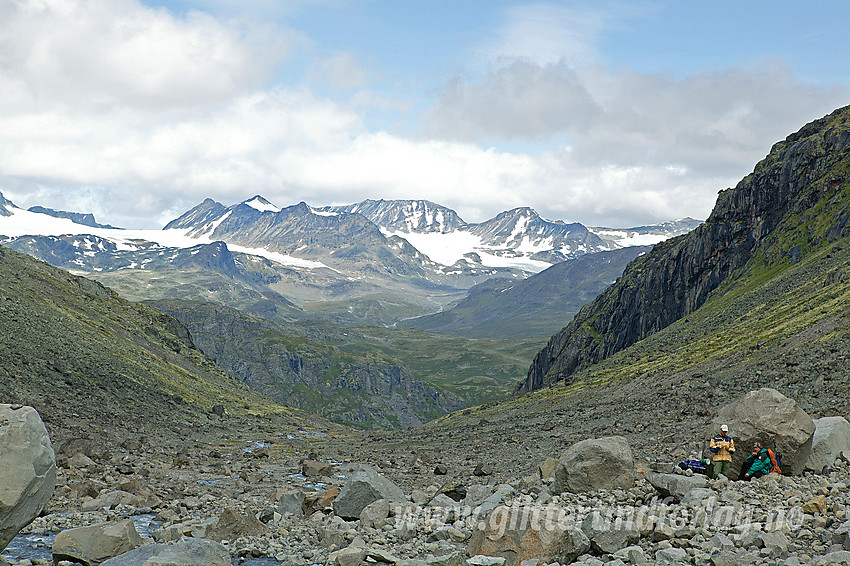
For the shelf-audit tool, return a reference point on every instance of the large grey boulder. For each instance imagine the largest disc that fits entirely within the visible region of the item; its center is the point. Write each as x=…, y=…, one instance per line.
x=769, y=417
x=365, y=486
x=673, y=485
x=27, y=469
x=832, y=436
x=187, y=552
x=597, y=463
x=97, y=543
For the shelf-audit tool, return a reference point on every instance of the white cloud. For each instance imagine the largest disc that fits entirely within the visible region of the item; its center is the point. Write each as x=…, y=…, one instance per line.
x=640, y=145
x=519, y=99
x=136, y=114
x=547, y=33
x=97, y=54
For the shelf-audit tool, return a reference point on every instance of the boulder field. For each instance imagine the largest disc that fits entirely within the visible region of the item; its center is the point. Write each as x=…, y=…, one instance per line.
x=238, y=493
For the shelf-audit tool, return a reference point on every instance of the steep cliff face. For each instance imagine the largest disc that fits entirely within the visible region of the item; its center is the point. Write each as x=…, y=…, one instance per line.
x=302, y=368
x=794, y=199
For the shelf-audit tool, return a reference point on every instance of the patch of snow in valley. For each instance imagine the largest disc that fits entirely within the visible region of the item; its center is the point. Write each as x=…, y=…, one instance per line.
x=524, y=263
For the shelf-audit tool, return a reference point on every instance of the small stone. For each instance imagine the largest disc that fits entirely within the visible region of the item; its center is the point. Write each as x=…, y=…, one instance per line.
x=96, y=543
x=815, y=506
x=347, y=557
x=546, y=469
x=441, y=470
x=362, y=488
x=315, y=468
x=671, y=556
x=374, y=515
x=483, y=470
x=382, y=556
x=662, y=531
x=724, y=558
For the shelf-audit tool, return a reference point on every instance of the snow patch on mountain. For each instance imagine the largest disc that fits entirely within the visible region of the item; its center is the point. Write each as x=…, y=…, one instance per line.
x=445, y=249
x=261, y=204
x=25, y=223
x=449, y=248
x=625, y=239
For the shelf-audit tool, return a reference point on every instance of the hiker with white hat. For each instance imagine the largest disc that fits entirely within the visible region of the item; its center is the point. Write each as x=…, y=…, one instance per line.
x=722, y=446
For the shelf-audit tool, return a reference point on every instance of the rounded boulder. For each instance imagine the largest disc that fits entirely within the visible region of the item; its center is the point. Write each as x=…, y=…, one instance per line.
x=772, y=419
x=597, y=463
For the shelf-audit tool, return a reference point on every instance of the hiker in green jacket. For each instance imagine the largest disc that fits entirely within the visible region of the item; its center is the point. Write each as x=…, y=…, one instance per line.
x=762, y=462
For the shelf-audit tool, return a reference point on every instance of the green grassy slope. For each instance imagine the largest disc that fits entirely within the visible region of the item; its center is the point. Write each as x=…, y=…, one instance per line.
x=330, y=369
x=74, y=350
x=478, y=370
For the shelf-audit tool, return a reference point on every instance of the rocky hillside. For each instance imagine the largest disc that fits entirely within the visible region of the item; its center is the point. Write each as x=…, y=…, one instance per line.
x=301, y=367
x=537, y=306
x=85, y=357
x=795, y=203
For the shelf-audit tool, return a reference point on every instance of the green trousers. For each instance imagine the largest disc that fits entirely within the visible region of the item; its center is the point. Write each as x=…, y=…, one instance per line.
x=721, y=467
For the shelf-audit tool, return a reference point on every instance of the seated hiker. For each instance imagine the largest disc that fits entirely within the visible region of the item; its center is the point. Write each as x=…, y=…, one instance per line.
x=761, y=462
x=722, y=446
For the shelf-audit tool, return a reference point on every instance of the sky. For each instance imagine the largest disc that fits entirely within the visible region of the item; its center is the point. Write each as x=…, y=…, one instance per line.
x=609, y=113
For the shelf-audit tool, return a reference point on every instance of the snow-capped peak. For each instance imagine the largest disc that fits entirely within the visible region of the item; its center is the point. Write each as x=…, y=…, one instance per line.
x=261, y=204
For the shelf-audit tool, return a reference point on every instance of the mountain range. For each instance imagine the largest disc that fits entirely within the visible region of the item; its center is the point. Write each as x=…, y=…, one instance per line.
x=273, y=284
x=388, y=260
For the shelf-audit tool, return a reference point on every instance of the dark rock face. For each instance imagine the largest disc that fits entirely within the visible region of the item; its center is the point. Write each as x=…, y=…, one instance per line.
x=677, y=277
x=303, y=372
x=84, y=218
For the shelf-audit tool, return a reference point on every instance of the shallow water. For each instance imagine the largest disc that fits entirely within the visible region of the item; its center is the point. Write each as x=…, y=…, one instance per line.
x=34, y=546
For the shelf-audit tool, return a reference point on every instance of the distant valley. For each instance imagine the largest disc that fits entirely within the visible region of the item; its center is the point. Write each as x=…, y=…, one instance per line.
x=309, y=289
